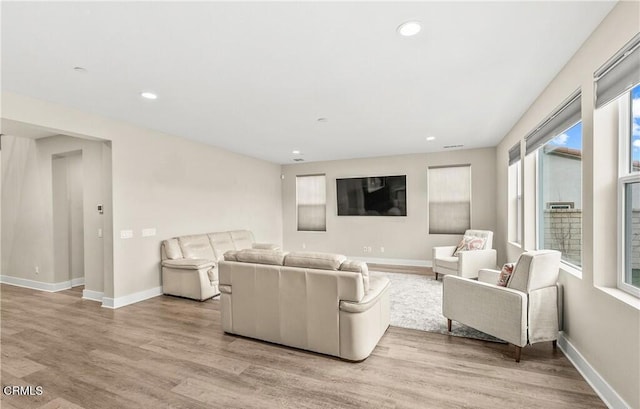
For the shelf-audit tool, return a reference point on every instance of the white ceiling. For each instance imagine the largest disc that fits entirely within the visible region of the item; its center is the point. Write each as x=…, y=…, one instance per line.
x=254, y=77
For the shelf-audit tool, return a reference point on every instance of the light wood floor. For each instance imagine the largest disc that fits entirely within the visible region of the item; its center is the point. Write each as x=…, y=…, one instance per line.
x=171, y=352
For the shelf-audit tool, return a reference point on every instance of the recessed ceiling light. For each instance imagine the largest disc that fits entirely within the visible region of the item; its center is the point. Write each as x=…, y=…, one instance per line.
x=80, y=69
x=323, y=120
x=295, y=152
x=409, y=28
x=148, y=95
x=431, y=138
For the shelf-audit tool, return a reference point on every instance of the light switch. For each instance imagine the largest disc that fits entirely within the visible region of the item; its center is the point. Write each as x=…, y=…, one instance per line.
x=126, y=234
x=148, y=232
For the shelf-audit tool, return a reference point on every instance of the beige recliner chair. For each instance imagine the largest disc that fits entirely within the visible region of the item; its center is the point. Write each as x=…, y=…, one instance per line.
x=528, y=310
x=465, y=263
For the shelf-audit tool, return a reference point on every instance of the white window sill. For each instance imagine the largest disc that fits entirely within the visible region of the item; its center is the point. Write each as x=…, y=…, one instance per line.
x=621, y=296
x=569, y=269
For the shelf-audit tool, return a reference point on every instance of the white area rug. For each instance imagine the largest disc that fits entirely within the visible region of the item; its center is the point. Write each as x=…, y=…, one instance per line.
x=416, y=303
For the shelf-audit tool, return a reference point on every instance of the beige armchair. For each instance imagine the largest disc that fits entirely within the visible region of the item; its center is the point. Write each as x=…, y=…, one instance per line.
x=528, y=310
x=465, y=263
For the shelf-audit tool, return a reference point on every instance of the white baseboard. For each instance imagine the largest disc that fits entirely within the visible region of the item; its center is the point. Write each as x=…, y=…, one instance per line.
x=393, y=261
x=92, y=295
x=35, y=285
x=608, y=395
x=77, y=281
x=128, y=299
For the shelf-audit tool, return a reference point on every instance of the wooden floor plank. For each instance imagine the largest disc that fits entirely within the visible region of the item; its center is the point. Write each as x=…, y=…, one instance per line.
x=172, y=352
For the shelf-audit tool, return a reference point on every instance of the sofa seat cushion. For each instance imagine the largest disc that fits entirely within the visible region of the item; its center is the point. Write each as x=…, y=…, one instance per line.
x=309, y=259
x=274, y=257
x=447, y=262
x=358, y=267
x=189, y=263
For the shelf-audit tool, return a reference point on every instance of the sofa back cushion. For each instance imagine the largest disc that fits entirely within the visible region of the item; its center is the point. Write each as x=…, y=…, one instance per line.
x=196, y=246
x=534, y=270
x=221, y=243
x=309, y=259
x=242, y=239
x=273, y=257
x=171, y=249
x=358, y=267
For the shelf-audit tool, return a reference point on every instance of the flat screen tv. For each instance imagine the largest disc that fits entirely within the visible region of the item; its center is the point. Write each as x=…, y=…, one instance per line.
x=372, y=196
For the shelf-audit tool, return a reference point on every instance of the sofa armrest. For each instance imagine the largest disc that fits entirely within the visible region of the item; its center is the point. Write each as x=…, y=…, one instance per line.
x=473, y=261
x=377, y=287
x=498, y=311
x=189, y=263
x=489, y=276
x=265, y=246
x=443, y=251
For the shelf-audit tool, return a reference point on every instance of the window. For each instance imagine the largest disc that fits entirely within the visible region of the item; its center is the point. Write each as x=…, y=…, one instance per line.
x=557, y=143
x=619, y=80
x=311, y=200
x=560, y=195
x=629, y=192
x=515, y=195
x=634, y=143
x=629, y=279
x=449, y=199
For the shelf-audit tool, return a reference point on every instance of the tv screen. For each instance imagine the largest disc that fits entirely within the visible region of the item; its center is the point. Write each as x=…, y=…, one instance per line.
x=372, y=196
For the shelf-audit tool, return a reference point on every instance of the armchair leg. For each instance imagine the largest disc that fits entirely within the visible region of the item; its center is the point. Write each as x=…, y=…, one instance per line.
x=436, y=276
x=518, y=352
x=554, y=343
x=448, y=325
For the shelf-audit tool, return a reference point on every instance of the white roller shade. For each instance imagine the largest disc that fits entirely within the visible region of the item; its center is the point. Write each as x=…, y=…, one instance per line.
x=514, y=154
x=311, y=199
x=449, y=199
x=619, y=74
x=562, y=118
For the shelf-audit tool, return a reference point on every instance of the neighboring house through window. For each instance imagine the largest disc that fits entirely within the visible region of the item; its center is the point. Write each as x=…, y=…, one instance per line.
x=557, y=142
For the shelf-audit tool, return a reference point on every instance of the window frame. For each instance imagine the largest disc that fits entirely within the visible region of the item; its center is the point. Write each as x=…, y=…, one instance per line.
x=514, y=191
x=626, y=176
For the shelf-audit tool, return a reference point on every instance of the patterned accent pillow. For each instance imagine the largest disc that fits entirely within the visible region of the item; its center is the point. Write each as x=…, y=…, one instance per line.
x=469, y=243
x=505, y=274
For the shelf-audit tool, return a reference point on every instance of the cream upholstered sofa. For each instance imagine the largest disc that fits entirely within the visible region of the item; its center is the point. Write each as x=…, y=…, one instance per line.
x=189, y=263
x=528, y=310
x=465, y=263
x=314, y=301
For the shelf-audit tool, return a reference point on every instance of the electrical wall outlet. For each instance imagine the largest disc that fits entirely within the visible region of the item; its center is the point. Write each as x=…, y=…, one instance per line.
x=100, y=233
x=369, y=249
x=126, y=234
x=381, y=249
x=37, y=270
x=148, y=232
x=304, y=245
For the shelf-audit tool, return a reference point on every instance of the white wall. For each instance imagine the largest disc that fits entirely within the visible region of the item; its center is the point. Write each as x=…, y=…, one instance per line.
x=68, y=217
x=29, y=237
x=404, y=238
x=602, y=323
x=164, y=182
